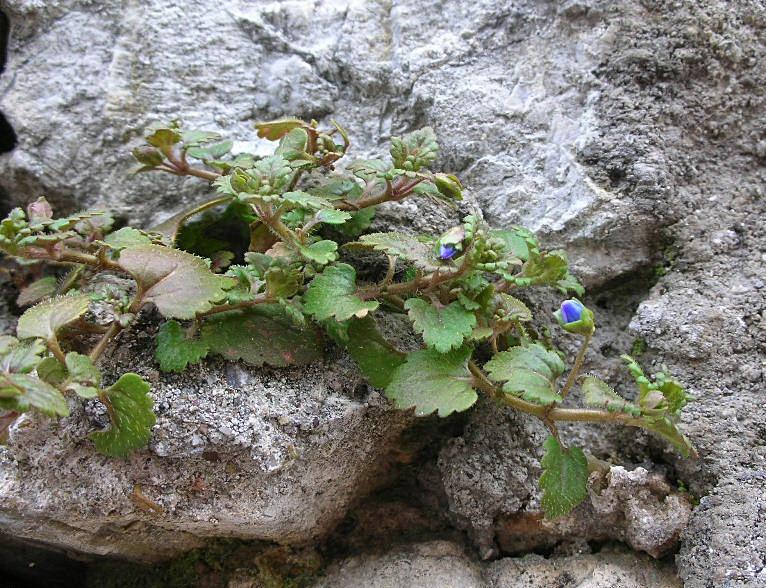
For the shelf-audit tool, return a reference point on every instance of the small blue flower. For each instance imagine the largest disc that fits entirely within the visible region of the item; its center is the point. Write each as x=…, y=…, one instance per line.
x=447, y=251
x=571, y=310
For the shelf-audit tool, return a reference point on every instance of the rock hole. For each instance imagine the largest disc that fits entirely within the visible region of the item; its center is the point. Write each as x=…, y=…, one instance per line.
x=7, y=134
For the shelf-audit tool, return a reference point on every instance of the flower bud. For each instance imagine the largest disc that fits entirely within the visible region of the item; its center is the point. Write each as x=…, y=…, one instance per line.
x=575, y=317
x=449, y=186
x=447, y=251
x=39, y=211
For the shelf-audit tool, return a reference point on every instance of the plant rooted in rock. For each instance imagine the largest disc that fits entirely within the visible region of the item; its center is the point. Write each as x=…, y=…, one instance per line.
x=296, y=281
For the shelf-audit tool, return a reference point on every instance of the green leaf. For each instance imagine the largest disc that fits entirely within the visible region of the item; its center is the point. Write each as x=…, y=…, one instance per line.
x=175, y=350
x=431, y=381
x=359, y=222
x=276, y=129
x=333, y=294
x=20, y=357
x=82, y=369
x=51, y=370
x=368, y=169
x=37, y=291
x=599, y=394
x=414, y=150
x=282, y=282
x=164, y=138
x=403, y=246
x=339, y=188
x=264, y=334
x=322, y=252
x=127, y=237
x=518, y=241
x=669, y=431
x=293, y=145
x=569, y=282
x=442, y=328
x=514, y=309
x=544, y=269
x=132, y=417
x=331, y=216
x=22, y=392
x=196, y=137
x=179, y=284
x=211, y=152
x=306, y=200
x=377, y=358
x=529, y=372
x=148, y=157
x=274, y=173
x=45, y=319
x=564, y=480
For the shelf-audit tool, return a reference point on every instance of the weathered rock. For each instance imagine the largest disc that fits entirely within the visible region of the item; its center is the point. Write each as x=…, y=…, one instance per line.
x=237, y=452
x=616, y=128
x=635, y=507
x=443, y=564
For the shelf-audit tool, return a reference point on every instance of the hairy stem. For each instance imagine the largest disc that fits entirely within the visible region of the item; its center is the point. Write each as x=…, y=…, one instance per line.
x=53, y=345
x=590, y=415
x=261, y=299
x=577, y=365
x=100, y=347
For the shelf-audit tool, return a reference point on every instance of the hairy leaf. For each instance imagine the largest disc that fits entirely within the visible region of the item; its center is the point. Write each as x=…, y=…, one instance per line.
x=414, y=150
x=564, y=480
x=179, y=284
x=331, y=216
x=127, y=237
x=321, y=252
x=51, y=370
x=402, y=246
x=276, y=129
x=431, y=381
x=282, y=282
x=20, y=357
x=598, y=393
x=333, y=294
x=45, y=319
x=359, y=222
x=132, y=417
x=22, y=392
x=442, y=328
x=263, y=334
x=306, y=200
x=37, y=291
x=174, y=350
x=529, y=372
x=377, y=358
x=669, y=431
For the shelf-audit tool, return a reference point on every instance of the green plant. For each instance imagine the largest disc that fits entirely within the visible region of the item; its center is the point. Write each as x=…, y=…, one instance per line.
x=295, y=282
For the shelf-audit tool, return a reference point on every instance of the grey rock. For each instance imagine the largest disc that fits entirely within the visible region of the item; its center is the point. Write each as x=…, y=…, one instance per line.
x=630, y=132
x=441, y=564
x=251, y=453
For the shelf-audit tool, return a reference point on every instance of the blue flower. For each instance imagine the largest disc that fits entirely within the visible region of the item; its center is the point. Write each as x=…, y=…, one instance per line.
x=447, y=251
x=571, y=310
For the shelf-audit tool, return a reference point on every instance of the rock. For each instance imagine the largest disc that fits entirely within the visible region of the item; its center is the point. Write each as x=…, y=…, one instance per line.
x=629, y=133
x=252, y=453
x=634, y=507
x=436, y=563
x=444, y=564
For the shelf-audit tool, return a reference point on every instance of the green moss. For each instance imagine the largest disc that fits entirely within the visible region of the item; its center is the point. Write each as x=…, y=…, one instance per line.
x=639, y=347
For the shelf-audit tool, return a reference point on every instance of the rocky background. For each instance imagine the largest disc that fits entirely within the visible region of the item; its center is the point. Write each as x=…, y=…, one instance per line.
x=631, y=132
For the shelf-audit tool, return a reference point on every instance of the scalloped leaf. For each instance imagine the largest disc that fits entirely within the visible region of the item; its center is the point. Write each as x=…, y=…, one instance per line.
x=37, y=291
x=599, y=394
x=377, y=358
x=174, y=351
x=261, y=335
x=321, y=252
x=276, y=129
x=403, y=246
x=442, y=328
x=332, y=294
x=132, y=414
x=45, y=319
x=22, y=392
x=306, y=200
x=415, y=150
x=564, y=480
x=179, y=284
x=529, y=372
x=20, y=357
x=430, y=381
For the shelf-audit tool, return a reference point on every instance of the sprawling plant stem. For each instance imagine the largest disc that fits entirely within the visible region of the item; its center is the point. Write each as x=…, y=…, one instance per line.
x=481, y=381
